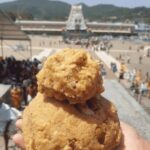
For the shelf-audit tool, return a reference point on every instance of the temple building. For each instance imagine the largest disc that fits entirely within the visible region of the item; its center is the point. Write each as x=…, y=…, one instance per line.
x=76, y=20
x=76, y=24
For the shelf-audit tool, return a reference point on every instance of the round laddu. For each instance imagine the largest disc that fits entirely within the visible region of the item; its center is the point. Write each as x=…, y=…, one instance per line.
x=53, y=125
x=70, y=74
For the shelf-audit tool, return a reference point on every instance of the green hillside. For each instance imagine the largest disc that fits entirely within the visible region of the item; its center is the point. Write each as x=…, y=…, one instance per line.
x=37, y=9
x=56, y=10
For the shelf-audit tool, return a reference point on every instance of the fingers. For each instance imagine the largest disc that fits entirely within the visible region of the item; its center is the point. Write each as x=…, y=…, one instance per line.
x=18, y=139
x=130, y=140
x=19, y=123
x=128, y=130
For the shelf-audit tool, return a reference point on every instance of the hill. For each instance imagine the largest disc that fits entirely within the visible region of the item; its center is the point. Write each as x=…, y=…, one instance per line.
x=56, y=10
x=37, y=9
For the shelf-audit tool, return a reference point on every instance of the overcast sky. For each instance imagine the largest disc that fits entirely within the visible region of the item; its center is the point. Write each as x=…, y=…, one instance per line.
x=124, y=3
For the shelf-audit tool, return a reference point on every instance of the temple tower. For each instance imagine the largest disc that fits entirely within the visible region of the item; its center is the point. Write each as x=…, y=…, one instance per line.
x=76, y=20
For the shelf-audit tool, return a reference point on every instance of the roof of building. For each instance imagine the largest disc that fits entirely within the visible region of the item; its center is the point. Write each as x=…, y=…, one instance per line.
x=9, y=30
x=39, y=22
x=110, y=24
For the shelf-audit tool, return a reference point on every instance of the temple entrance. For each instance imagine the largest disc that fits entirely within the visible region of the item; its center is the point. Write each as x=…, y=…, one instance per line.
x=76, y=28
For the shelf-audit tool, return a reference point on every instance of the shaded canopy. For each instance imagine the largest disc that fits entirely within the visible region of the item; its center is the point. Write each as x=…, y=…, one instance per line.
x=9, y=30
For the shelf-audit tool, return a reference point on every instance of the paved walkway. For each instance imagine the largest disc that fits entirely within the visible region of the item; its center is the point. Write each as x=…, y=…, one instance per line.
x=107, y=59
x=129, y=110
x=144, y=102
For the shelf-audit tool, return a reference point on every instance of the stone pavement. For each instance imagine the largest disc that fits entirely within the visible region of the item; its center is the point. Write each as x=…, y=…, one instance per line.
x=107, y=59
x=144, y=102
x=129, y=110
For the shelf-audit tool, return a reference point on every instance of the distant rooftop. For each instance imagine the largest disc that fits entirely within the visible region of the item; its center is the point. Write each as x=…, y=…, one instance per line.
x=9, y=30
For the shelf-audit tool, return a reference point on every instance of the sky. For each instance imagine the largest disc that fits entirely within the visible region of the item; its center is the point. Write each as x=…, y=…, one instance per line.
x=124, y=3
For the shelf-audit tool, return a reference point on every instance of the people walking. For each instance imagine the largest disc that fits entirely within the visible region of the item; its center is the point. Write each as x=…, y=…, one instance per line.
x=140, y=59
x=142, y=90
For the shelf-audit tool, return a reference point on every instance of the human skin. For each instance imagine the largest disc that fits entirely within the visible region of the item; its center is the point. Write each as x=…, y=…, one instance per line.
x=131, y=140
x=18, y=138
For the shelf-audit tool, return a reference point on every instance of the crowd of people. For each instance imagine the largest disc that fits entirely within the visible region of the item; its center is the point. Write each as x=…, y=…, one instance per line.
x=21, y=75
x=139, y=84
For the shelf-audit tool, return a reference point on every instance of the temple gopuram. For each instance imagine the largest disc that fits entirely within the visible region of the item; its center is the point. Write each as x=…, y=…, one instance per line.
x=76, y=25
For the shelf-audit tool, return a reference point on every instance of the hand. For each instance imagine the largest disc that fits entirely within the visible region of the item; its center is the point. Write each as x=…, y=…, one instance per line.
x=131, y=140
x=18, y=138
